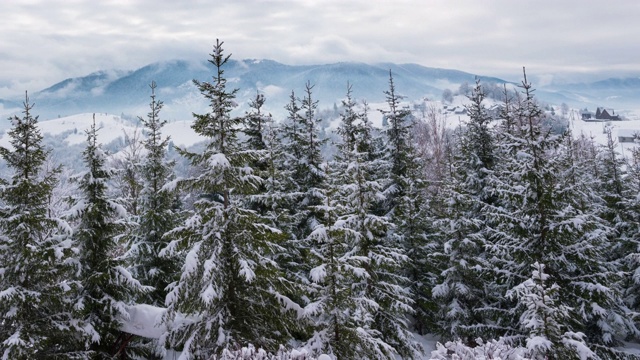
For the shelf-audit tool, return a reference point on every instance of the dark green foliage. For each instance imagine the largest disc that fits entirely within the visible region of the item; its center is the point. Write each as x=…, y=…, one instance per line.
x=405, y=201
x=107, y=286
x=630, y=233
x=158, y=211
x=261, y=139
x=547, y=216
x=360, y=300
x=311, y=142
x=292, y=135
x=35, y=281
x=304, y=158
x=399, y=149
x=230, y=281
x=256, y=124
x=464, y=272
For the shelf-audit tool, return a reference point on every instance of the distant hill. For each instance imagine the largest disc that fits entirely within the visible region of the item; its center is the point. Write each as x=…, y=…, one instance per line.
x=128, y=92
x=6, y=106
x=612, y=92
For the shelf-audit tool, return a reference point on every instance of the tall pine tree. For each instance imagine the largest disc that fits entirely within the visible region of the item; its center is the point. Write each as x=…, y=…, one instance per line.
x=461, y=293
x=545, y=320
x=107, y=286
x=229, y=282
x=405, y=203
x=357, y=276
x=35, y=278
x=542, y=218
x=158, y=212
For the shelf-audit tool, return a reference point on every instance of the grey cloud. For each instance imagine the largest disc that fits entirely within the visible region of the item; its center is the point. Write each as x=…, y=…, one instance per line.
x=47, y=41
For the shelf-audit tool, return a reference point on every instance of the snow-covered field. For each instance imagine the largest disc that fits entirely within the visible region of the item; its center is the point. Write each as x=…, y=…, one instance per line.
x=111, y=128
x=595, y=130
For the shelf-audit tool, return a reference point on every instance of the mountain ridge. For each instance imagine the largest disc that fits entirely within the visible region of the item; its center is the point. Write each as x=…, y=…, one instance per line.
x=114, y=91
x=127, y=91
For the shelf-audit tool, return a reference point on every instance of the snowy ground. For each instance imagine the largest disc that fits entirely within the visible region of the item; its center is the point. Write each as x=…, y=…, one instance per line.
x=595, y=130
x=428, y=343
x=144, y=320
x=111, y=128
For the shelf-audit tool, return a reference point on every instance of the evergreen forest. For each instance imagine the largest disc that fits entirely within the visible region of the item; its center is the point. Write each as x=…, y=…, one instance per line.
x=508, y=232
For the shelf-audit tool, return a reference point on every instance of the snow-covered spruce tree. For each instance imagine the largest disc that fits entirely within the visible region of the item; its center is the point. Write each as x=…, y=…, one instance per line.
x=257, y=123
x=610, y=318
x=285, y=194
x=375, y=290
x=630, y=232
x=406, y=204
x=274, y=200
x=342, y=314
x=387, y=285
x=350, y=125
x=610, y=183
x=371, y=143
x=230, y=281
x=35, y=278
x=544, y=320
x=292, y=141
x=398, y=148
x=332, y=308
x=126, y=182
x=611, y=175
x=507, y=175
x=303, y=140
x=256, y=128
x=293, y=168
x=158, y=211
x=461, y=291
x=541, y=218
x=107, y=287
x=304, y=178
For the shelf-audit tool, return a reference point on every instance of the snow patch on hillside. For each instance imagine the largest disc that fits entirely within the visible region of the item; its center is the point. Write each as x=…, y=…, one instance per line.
x=111, y=127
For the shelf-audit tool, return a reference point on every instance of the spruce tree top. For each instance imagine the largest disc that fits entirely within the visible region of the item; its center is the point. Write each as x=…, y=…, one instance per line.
x=28, y=155
x=218, y=124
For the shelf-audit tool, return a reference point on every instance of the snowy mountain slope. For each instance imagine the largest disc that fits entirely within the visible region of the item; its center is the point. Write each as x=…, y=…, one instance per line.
x=128, y=92
x=595, y=130
x=66, y=137
x=6, y=105
x=111, y=127
x=118, y=92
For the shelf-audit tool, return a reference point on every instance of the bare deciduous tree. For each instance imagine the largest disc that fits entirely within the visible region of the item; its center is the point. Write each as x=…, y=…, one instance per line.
x=433, y=143
x=127, y=183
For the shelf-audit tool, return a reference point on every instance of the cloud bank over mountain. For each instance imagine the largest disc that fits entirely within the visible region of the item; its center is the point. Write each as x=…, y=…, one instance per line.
x=128, y=92
x=44, y=42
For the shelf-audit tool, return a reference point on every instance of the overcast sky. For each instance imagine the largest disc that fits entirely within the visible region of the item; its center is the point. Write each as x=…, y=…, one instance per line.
x=45, y=41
